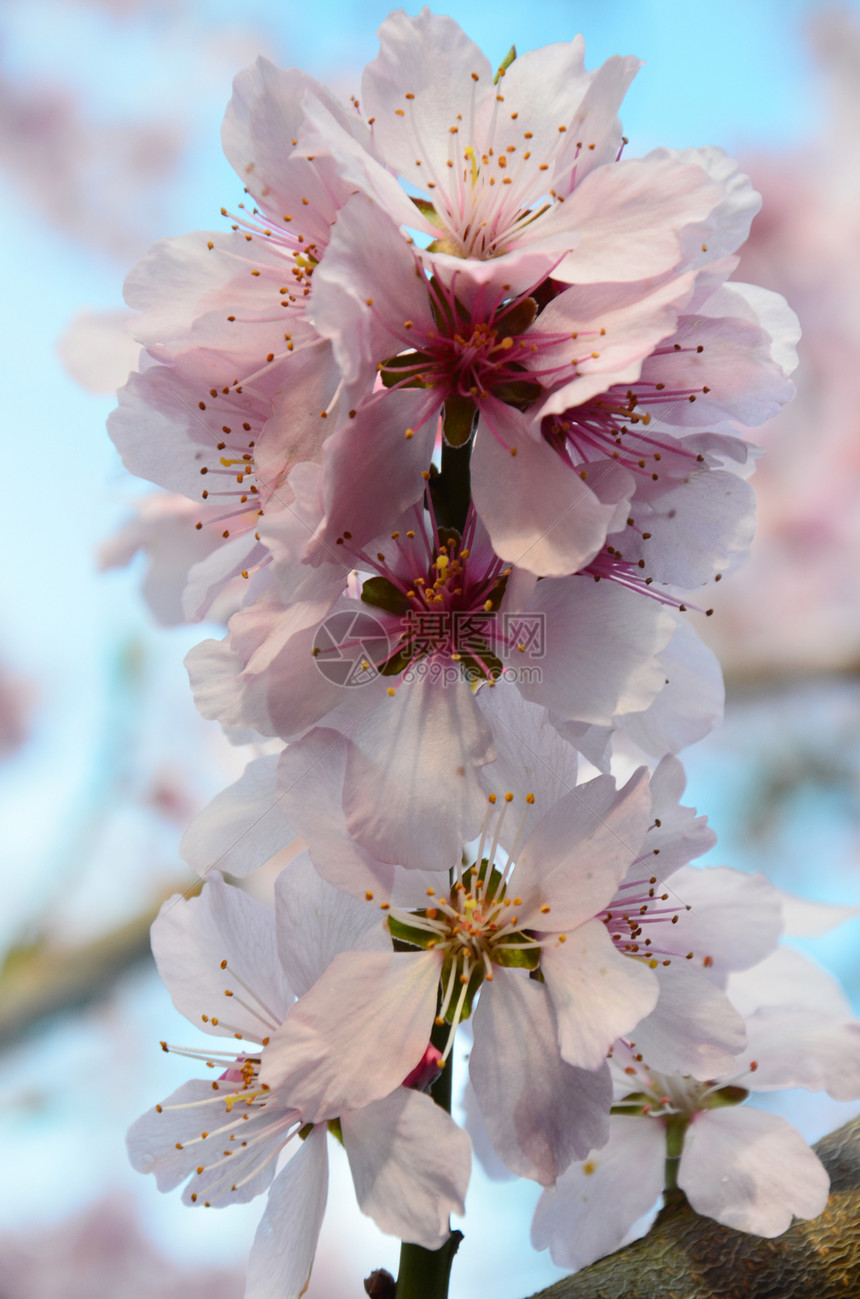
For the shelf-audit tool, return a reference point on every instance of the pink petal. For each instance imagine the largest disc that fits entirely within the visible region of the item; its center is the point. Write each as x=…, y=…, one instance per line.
x=416, y=753
x=540, y=1111
x=751, y=1170
x=598, y=995
x=595, y=1203
x=538, y=512
x=602, y=647
x=282, y=1254
x=191, y=940
x=410, y=1164
x=356, y=1034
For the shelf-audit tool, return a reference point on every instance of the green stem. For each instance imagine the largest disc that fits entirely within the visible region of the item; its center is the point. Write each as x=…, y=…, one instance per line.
x=425, y=1273
x=676, y=1126
x=452, y=491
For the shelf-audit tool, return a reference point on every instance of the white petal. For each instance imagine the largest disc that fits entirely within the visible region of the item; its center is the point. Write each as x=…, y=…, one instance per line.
x=580, y=851
x=242, y=828
x=540, y=1111
x=282, y=1254
x=357, y=1034
x=787, y=977
x=595, y=1204
x=410, y=1164
x=193, y=938
x=798, y=1047
x=311, y=777
x=677, y=832
x=694, y=1028
x=750, y=1170
x=690, y=702
x=531, y=756
x=229, y=1154
x=598, y=995
x=812, y=918
x=733, y=921
x=316, y=921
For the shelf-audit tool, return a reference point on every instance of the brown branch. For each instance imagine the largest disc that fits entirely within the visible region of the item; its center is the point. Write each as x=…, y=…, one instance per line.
x=43, y=979
x=685, y=1256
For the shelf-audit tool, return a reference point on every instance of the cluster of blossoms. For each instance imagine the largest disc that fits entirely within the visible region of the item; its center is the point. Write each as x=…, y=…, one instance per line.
x=455, y=407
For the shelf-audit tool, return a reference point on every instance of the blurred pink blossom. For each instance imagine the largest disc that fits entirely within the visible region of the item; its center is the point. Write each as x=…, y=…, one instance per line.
x=98, y=350
x=15, y=701
x=85, y=175
x=102, y=1251
x=792, y=606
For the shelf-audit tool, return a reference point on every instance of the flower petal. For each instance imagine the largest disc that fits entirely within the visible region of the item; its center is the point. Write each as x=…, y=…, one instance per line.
x=218, y=958
x=694, y=1029
x=417, y=753
x=595, y=1203
x=355, y=1036
x=243, y=827
x=598, y=995
x=316, y=922
x=750, y=1170
x=410, y=1164
x=540, y=1111
x=282, y=1254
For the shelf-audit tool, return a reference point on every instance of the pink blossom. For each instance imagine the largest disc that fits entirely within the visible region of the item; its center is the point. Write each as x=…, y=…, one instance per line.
x=410, y=1163
x=479, y=935
x=747, y=1168
x=451, y=621
x=539, y=910
x=235, y=383
x=517, y=176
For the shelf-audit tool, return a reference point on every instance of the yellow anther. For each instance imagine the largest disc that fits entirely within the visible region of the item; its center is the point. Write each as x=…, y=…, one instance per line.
x=469, y=155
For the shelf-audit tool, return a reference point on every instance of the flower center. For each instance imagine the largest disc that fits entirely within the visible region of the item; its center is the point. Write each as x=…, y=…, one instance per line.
x=475, y=927
x=441, y=593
